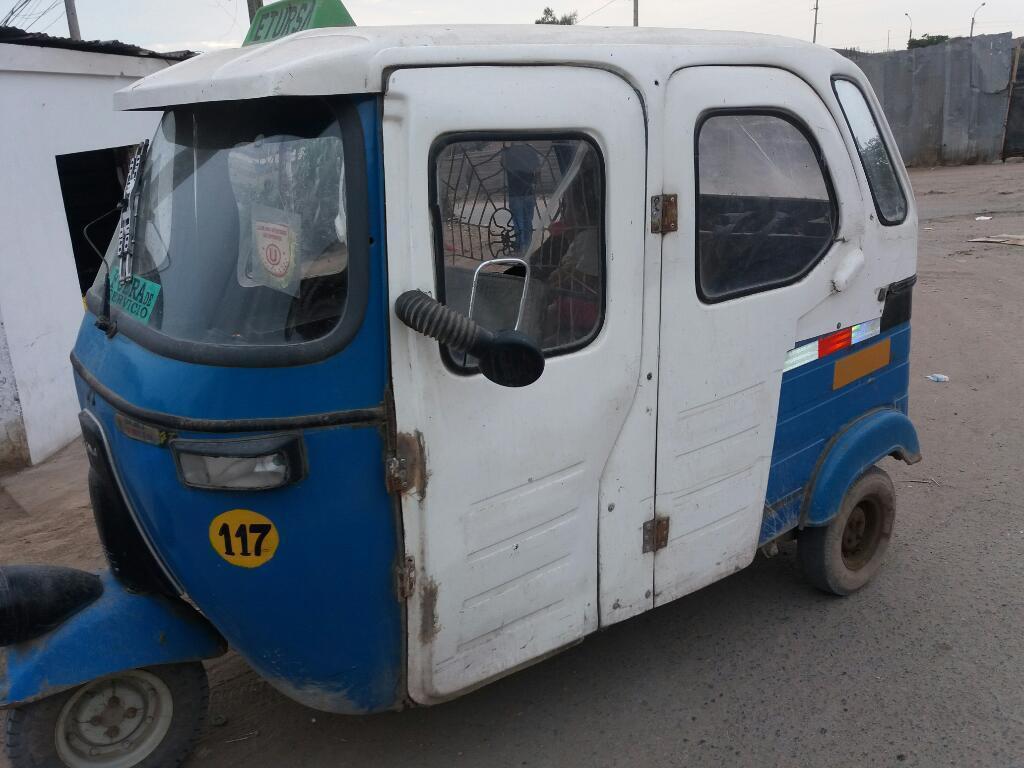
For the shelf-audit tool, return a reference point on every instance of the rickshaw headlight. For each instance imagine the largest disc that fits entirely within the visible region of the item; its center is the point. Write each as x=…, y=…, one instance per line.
x=240, y=465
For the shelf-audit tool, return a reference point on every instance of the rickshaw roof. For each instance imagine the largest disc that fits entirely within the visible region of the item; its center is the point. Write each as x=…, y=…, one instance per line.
x=342, y=60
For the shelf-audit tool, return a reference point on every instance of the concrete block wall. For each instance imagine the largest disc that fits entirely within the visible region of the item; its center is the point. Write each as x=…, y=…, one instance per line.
x=13, y=444
x=946, y=104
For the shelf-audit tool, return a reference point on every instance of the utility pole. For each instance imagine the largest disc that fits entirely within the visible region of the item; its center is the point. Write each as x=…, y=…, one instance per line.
x=636, y=13
x=814, y=36
x=910, y=35
x=973, y=15
x=72, y=14
x=254, y=5
x=888, y=40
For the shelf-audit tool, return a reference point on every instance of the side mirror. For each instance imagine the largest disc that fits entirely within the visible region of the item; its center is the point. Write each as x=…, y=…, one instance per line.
x=508, y=358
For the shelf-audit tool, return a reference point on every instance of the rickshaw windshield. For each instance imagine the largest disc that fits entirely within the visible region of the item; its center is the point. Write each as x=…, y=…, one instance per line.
x=242, y=230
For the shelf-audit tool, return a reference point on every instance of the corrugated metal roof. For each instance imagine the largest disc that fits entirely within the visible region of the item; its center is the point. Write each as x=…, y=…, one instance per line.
x=15, y=36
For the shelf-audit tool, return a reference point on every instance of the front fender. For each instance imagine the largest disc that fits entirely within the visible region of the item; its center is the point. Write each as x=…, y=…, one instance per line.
x=881, y=433
x=119, y=631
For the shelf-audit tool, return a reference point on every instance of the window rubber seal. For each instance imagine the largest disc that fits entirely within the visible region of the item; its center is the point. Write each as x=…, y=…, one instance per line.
x=885, y=145
x=801, y=126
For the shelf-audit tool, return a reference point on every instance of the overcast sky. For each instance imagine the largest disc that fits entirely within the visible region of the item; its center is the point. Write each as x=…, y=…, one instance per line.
x=866, y=24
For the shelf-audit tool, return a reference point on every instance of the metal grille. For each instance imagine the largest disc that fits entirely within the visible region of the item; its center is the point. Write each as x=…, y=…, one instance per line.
x=537, y=205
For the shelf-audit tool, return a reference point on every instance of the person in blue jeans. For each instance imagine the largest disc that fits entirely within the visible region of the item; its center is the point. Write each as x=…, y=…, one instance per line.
x=521, y=162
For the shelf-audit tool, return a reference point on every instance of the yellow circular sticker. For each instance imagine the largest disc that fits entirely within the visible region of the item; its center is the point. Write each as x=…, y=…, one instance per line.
x=244, y=538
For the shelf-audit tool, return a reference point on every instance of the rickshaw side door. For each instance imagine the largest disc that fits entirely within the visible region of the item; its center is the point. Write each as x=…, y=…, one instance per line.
x=530, y=165
x=762, y=177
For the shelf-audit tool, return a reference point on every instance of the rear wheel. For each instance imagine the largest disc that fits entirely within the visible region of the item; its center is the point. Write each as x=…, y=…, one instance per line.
x=842, y=556
x=146, y=718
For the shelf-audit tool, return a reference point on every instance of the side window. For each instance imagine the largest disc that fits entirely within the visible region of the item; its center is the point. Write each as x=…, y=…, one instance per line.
x=519, y=229
x=890, y=202
x=765, y=211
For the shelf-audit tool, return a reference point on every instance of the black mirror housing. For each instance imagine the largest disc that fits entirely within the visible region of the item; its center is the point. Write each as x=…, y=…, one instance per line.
x=511, y=359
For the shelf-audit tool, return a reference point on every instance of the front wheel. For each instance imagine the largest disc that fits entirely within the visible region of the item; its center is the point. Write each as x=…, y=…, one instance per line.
x=842, y=556
x=146, y=718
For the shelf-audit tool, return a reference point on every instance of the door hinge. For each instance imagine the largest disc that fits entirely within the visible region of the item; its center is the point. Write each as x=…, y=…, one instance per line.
x=405, y=469
x=406, y=578
x=664, y=214
x=397, y=470
x=656, y=534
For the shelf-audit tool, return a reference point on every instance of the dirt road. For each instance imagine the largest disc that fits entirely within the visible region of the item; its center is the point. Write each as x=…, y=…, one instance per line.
x=925, y=667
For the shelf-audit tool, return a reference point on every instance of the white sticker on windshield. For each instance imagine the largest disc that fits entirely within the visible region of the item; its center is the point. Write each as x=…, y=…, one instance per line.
x=275, y=249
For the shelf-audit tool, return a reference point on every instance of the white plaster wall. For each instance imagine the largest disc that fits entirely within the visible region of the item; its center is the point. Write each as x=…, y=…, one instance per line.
x=51, y=102
x=13, y=448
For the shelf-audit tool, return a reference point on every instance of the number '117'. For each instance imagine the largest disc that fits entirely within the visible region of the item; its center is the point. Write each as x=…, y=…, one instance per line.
x=243, y=533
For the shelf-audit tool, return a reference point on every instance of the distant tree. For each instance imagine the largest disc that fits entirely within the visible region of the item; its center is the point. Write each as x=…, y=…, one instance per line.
x=925, y=40
x=549, y=17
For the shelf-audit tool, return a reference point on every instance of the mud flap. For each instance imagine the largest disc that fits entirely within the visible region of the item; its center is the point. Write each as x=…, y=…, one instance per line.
x=118, y=631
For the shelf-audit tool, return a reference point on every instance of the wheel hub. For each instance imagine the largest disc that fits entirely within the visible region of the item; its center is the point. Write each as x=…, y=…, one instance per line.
x=861, y=535
x=115, y=722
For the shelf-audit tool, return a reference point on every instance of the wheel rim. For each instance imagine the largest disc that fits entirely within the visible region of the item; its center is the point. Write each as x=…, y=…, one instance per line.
x=862, y=534
x=114, y=722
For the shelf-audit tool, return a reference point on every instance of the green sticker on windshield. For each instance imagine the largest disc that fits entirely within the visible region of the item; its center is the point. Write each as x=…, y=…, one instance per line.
x=136, y=298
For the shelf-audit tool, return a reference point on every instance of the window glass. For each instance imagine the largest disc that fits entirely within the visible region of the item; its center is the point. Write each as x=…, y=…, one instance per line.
x=890, y=202
x=521, y=237
x=764, y=214
x=242, y=230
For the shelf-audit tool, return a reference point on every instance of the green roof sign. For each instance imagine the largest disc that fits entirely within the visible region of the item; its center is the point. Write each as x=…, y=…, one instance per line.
x=288, y=16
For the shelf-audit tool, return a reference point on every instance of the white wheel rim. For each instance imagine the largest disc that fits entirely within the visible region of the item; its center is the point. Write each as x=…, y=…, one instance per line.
x=114, y=722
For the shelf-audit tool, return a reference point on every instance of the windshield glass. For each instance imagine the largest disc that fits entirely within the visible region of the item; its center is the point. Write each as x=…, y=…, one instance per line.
x=242, y=232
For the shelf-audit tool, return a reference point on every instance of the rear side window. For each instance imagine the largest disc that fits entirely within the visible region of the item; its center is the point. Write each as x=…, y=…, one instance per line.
x=519, y=230
x=765, y=209
x=890, y=202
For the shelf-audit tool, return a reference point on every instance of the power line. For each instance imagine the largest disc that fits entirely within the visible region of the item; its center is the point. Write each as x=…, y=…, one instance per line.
x=28, y=12
x=598, y=10
x=17, y=8
x=38, y=18
x=56, y=18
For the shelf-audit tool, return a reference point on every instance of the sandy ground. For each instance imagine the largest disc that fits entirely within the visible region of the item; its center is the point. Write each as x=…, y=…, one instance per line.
x=925, y=667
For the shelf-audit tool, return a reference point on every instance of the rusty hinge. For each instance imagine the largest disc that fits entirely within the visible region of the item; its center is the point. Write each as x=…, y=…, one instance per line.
x=655, y=534
x=406, y=578
x=405, y=469
x=664, y=214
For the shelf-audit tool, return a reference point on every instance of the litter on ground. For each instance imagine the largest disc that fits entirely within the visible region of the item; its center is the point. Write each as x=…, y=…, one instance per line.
x=1001, y=239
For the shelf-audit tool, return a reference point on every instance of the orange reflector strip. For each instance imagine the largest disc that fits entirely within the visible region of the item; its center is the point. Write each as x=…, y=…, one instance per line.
x=860, y=364
x=834, y=342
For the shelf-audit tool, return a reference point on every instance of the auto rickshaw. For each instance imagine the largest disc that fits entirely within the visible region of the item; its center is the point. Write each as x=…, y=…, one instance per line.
x=420, y=354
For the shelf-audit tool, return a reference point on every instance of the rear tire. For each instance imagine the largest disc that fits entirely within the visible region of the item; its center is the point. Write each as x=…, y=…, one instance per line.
x=147, y=718
x=844, y=555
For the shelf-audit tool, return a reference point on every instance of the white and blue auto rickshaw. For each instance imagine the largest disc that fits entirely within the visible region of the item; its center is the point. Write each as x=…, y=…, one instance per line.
x=423, y=353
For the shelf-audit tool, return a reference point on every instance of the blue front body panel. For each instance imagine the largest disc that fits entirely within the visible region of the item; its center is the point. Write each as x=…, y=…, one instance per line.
x=119, y=631
x=811, y=413
x=321, y=620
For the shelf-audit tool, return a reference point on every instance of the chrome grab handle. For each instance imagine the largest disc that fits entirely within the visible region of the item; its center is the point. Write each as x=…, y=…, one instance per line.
x=522, y=299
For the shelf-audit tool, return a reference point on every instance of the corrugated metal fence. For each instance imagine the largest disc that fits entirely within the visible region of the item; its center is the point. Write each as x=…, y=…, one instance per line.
x=947, y=103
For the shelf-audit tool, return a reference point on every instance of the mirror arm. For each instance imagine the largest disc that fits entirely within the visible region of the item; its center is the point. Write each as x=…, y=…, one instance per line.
x=426, y=315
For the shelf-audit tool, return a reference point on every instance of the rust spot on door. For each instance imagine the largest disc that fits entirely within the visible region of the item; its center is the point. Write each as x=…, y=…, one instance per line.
x=428, y=614
x=407, y=466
